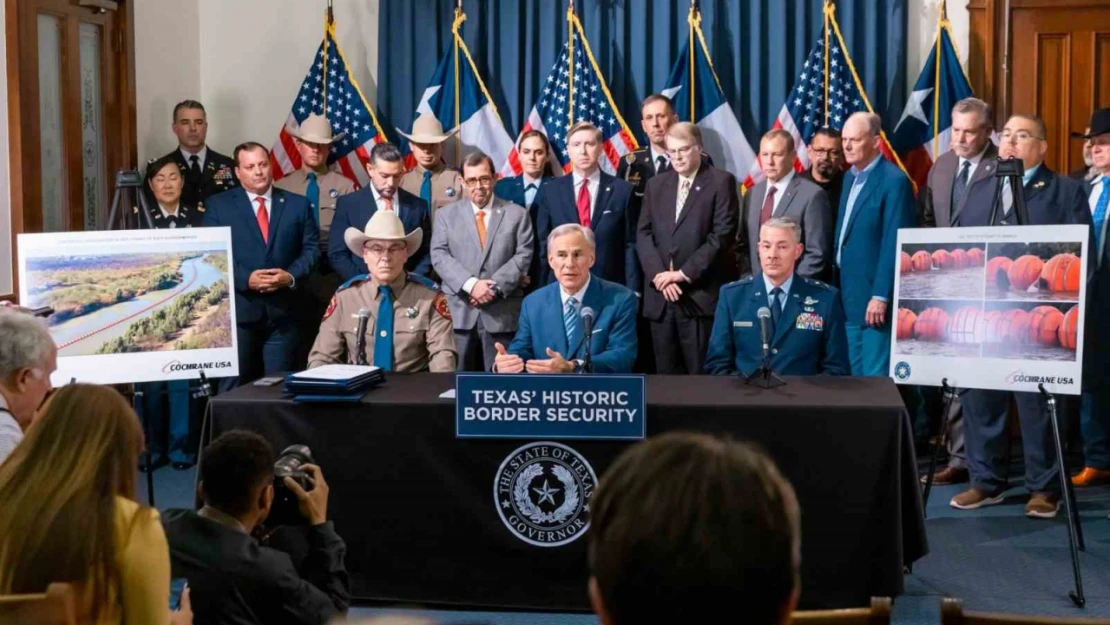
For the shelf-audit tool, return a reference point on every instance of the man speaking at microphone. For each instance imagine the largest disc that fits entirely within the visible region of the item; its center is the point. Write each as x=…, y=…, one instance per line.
x=397, y=319
x=804, y=334
x=556, y=324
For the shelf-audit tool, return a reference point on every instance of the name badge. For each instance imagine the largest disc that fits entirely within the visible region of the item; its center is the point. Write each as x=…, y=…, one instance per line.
x=742, y=324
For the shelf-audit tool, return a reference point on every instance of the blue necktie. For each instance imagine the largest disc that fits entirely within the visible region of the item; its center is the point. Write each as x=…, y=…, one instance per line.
x=383, y=337
x=1100, y=210
x=426, y=188
x=570, y=323
x=776, y=308
x=312, y=192
x=529, y=194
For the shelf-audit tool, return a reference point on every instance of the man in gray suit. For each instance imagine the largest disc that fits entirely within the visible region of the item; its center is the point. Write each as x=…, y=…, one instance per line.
x=972, y=158
x=481, y=249
x=785, y=194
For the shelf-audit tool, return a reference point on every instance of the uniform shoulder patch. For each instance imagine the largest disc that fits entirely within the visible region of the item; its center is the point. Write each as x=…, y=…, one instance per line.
x=332, y=305
x=440, y=306
x=423, y=281
x=355, y=281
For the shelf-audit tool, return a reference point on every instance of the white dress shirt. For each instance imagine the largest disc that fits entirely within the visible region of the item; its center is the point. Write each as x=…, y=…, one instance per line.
x=780, y=189
x=268, y=196
x=202, y=156
x=974, y=161
x=593, y=181
x=577, y=295
x=530, y=194
x=10, y=432
x=167, y=214
x=471, y=281
x=655, y=154
x=785, y=286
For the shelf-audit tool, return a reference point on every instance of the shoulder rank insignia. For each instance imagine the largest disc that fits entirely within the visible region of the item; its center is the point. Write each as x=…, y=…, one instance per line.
x=440, y=306
x=817, y=283
x=423, y=281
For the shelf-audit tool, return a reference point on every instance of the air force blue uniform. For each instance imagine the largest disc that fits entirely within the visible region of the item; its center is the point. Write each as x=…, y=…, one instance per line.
x=808, y=340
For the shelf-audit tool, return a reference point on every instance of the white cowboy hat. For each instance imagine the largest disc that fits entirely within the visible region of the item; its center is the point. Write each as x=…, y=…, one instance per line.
x=315, y=129
x=426, y=129
x=383, y=226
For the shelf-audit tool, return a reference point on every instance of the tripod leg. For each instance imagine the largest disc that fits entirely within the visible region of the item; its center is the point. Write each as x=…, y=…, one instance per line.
x=1069, y=505
x=138, y=405
x=949, y=395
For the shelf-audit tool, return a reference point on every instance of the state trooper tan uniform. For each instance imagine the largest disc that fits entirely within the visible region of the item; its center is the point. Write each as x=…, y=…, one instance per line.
x=423, y=336
x=446, y=183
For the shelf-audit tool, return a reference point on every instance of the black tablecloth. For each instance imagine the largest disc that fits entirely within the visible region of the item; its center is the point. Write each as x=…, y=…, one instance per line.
x=417, y=509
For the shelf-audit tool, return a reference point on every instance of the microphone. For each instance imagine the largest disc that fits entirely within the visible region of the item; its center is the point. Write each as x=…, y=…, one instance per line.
x=764, y=315
x=360, y=336
x=587, y=315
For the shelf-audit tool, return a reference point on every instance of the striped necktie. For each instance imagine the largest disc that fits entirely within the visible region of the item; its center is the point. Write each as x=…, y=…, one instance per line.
x=570, y=323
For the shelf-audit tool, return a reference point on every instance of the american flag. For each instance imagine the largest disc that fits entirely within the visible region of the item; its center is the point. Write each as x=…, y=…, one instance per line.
x=330, y=89
x=591, y=100
x=806, y=110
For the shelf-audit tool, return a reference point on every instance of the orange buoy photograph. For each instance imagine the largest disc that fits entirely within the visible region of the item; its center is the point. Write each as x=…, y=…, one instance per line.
x=1032, y=331
x=942, y=271
x=930, y=328
x=1044, y=272
x=906, y=321
x=1068, y=334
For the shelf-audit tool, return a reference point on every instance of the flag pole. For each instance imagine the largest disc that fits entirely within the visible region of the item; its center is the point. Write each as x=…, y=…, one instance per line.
x=329, y=23
x=690, y=19
x=936, y=83
x=830, y=8
x=460, y=17
x=570, y=60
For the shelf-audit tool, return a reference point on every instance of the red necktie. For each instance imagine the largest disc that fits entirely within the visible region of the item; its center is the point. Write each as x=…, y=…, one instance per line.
x=768, y=206
x=263, y=219
x=584, y=204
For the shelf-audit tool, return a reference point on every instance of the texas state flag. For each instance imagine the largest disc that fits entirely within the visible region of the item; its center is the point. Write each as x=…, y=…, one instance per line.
x=925, y=129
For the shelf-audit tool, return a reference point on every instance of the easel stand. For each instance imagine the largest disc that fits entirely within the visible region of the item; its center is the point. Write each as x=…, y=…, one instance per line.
x=942, y=441
x=1075, y=530
x=129, y=188
x=148, y=468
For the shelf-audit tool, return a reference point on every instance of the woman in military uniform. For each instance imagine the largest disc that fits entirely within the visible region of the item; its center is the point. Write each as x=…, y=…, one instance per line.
x=165, y=182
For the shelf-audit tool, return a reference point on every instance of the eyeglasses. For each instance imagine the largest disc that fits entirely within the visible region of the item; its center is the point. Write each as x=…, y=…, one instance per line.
x=484, y=181
x=379, y=251
x=1020, y=136
x=826, y=153
x=683, y=151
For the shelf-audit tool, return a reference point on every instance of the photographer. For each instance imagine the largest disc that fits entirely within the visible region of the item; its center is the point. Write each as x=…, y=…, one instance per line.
x=237, y=578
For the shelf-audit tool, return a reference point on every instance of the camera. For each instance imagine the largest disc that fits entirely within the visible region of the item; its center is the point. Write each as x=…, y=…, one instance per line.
x=286, y=508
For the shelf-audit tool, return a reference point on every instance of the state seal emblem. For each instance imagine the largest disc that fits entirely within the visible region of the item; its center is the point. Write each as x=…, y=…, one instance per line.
x=542, y=493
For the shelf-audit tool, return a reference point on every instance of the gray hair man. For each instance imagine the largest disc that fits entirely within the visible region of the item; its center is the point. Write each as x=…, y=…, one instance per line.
x=28, y=356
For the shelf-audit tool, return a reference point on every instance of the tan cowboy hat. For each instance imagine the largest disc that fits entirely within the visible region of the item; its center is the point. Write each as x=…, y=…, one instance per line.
x=315, y=129
x=383, y=226
x=426, y=129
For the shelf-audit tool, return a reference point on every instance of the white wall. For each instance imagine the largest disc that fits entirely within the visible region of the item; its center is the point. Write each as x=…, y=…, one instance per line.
x=5, y=189
x=167, y=68
x=922, y=20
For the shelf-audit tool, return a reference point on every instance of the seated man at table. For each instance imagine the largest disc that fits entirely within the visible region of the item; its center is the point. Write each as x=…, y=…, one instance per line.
x=409, y=327
x=807, y=321
x=687, y=528
x=236, y=578
x=550, y=333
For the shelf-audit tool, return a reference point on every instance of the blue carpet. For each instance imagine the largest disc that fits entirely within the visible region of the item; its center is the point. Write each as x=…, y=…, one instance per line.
x=995, y=559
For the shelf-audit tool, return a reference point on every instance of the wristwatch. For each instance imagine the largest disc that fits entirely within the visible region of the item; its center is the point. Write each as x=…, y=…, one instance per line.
x=497, y=290
x=579, y=365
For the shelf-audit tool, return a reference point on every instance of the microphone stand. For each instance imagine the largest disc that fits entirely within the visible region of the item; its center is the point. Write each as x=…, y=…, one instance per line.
x=360, y=341
x=764, y=377
x=588, y=361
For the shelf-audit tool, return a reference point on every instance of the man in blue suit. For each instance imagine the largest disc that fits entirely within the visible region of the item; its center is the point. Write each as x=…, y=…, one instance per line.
x=593, y=199
x=550, y=319
x=1050, y=199
x=877, y=200
x=807, y=321
x=386, y=168
x=533, y=150
x=275, y=242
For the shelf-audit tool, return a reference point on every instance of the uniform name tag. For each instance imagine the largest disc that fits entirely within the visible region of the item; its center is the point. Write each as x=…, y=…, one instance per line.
x=809, y=321
x=741, y=324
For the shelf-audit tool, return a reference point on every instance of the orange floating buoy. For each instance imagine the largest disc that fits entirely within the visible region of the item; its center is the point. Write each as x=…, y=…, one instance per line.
x=997, y=265
x=959, y=259
x=931, y=324
x=1010, y=326
x=1068, y=334
x=1044, y=324
x=905, y=265
x=906, y=320
x=942, y=259
x=975, y=257
x=922, y=261
x=963, y=327
x=1024, y=272
x=1061, y=274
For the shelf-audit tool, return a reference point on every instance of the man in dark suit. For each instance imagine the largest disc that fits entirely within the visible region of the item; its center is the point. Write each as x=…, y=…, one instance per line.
x=386, y=168
x=785, y=194
x=1050, y=199
x=878, y=200
x=972, y=158
x=686, y=228
x=206, y=171
x=1089, y=171
x=551, y=322
x=533, y=151
x=594, y=199
x=807, y=321
x=826, y=166
x=276, y=246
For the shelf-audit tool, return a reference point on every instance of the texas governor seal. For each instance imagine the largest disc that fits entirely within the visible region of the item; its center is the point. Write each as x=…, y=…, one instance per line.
x=542, y=492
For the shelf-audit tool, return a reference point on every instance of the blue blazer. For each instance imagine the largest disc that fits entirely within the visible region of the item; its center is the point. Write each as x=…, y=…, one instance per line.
x=293, y=246
x=809, y=338
x=869, y=252
x=512, y=189
x=613, y=344
x=613, y=224
x=354, y=211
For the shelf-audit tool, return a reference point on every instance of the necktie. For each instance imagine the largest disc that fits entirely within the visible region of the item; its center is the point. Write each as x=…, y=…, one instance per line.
x=584, y=204
x=530, y=194
x=776, y=307
x=661, y=164
x=570, y=323
x=387, y=203
x=426, y=188
x=482, y=228
x=959, y=189
x=312, y=192
x=263, y=219
x=1007, y=200
x=768, y=206
x=683, y=193
x=194, y=166
x=383, y=339
x=1100, y=211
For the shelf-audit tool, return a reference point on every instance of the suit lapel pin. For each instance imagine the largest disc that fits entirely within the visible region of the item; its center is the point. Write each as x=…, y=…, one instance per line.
x=450, y=191
x=1039, y=185
x=697, y=188
x=606, y=189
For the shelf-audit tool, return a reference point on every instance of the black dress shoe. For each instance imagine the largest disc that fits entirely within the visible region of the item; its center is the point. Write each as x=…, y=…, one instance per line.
x=183, y=466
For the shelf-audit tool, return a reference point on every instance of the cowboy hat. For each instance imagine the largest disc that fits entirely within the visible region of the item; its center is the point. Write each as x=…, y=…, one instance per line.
x=315, y=129
x=1100, y=125
x=383, y=226
x=426, y=129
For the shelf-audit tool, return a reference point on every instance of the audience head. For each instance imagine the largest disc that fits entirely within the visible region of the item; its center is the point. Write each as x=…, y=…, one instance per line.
x=384, y=245
x=252, y=167
x=584, y=145
x=237, y=476
x=684, y=148
x=190, y=124
x=533, y=150
x=972, y=123
x=27, y=358
x=60, y=488
x=165, y=179
x=1096, y=150
x=570, y=253
x=386, y=169
x=776, y=154
x=478, y=176
x=426, y=140
x=314, y=139
x=688, y=527
x=861, y=138
x=1024, y=137
x=826, y=154
x=656, y=117
x=780, y=247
